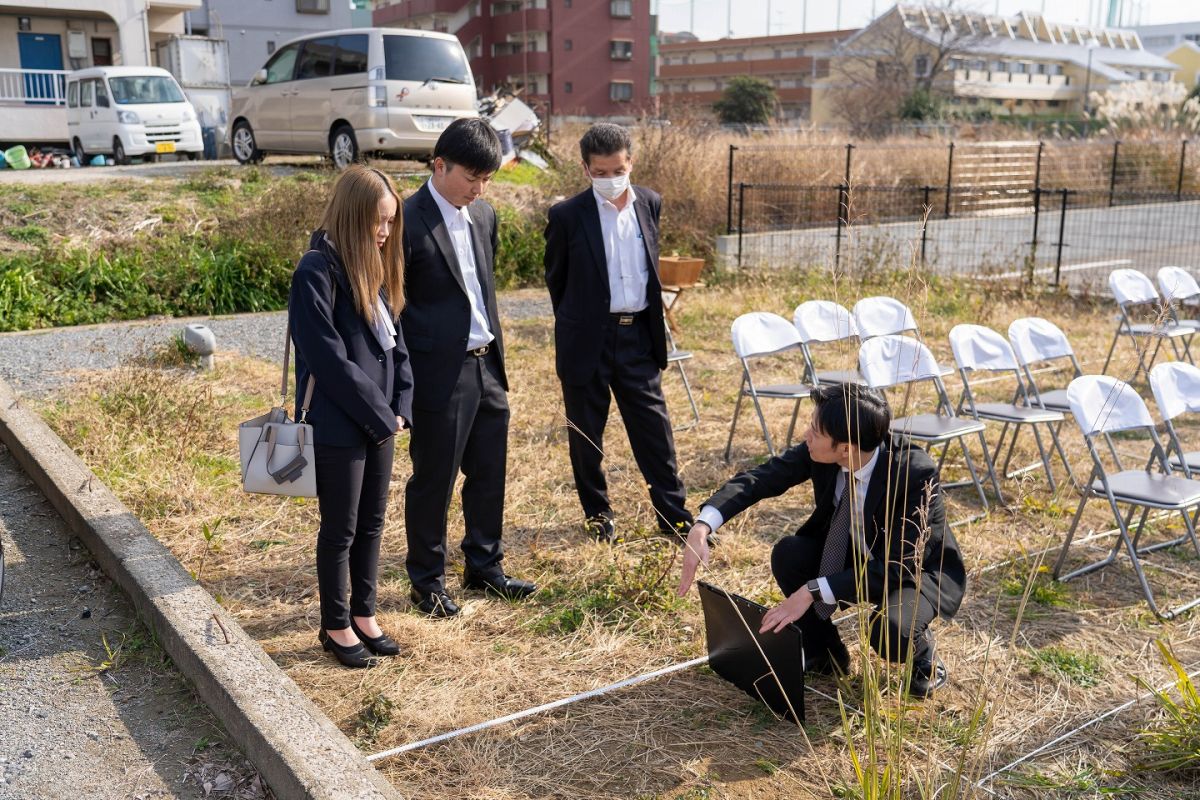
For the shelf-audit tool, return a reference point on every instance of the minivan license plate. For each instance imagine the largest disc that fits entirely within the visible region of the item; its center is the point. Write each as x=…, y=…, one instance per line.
x=164, y=147
x=433, y=123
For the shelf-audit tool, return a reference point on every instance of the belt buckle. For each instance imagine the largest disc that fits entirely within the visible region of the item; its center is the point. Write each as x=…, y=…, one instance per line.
x=625, y=319
x=480, y=352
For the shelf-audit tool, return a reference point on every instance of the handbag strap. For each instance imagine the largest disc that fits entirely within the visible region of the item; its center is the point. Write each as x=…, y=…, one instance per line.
x=287, y=357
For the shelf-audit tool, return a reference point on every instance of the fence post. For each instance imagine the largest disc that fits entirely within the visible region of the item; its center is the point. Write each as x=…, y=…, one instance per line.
x=925, y=209
x=1037, y=169
x=1112, y=175
x=1062, y=226
x=729, y=193
x=741, y=219
x=849, y=152
x=949, y=180
x=1182, y=162
x=1037, y=216
x=843, y=202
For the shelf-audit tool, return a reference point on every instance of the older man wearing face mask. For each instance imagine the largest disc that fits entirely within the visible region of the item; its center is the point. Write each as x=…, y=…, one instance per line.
x=610, y=341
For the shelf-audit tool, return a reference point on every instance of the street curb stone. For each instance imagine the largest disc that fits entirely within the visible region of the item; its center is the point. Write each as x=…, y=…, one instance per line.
x=297, y=749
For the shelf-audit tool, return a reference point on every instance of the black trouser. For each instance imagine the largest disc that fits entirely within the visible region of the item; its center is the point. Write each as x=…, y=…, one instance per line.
x=900, y=622
x=470, y=433
x=352, y=492
x=627, y=370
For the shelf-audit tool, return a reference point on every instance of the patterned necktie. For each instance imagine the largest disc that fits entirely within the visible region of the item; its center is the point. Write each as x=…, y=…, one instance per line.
x=833, y=557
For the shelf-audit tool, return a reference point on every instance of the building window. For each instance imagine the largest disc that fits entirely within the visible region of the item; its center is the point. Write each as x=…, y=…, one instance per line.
x=620, y=91
x=312, y=6
x=568, y=44
x=620, y=8
x=102, y=52
x=921, y=66
x=270, y=47
x=568, y=87
x=620, y=50
x=475, y=9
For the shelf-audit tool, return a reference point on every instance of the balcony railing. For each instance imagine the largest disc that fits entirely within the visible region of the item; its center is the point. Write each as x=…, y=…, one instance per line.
x=1017, y=78
x=42, y=87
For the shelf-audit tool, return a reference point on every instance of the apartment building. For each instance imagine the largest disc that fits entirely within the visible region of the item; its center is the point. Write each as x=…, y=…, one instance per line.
x=696, y=72
x=1162, y=39
x=575, y=57
x=1024, y=64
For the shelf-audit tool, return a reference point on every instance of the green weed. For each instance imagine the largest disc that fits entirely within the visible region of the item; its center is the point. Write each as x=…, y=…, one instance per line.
x=1173, y=740
x=1081, y=669
x=30, y=234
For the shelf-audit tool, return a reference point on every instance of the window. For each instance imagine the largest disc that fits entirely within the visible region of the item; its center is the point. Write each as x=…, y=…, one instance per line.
x=921, y=66
x=620, y=91
x=1040, y=69
x=73, y=95
x=102, y=52
x=143, y=90
x=415, y=58
x=282, y=65
x=620, y=8
x=270, y=47
x=568, y=87
x=87, y=93
x=316, y=58
x=312, y=6
x=351, y=54
x=568, y=44
x=102, y=93
x=620, y=50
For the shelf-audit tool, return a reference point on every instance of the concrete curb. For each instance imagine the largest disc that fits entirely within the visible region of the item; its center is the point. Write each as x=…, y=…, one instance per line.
x=298, y=750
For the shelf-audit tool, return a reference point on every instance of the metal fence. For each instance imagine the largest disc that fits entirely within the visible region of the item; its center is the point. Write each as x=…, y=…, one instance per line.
x=1014, y=208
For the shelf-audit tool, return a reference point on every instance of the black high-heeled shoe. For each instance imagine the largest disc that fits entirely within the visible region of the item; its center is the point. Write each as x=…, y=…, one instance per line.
x=382, y=645
x=354, y=657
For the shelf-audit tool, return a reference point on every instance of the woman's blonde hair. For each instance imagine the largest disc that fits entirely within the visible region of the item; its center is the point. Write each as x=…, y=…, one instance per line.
x=351, y=220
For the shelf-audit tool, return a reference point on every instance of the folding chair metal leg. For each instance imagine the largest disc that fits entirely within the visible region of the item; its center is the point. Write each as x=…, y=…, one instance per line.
x=1066, y=545
x=733, y=424
x=1111, y=349
x=1147, y=592
x=1037, y=437
x=687, y=387
x=974, y=478
x=1016, y=429
x=792, y=425
x=763, y=421
x=987, y=459
x=1062, y=453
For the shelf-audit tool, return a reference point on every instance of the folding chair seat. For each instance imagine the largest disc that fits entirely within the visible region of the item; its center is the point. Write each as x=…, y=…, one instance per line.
x=893, y=361
x=1176, y=388
x=1179, y=289
x=1133, y=290
x=824, y=322
x=677, y=357
x=757, y=335
x=981, y=349
x=1036, y=341
x=1103, y=404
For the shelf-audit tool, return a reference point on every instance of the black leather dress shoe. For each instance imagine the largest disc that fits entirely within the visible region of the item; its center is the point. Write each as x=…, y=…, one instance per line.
x=382, y=645
x=927, y=678
x=831, y=663
x=435, y=604
x=499, y=584
x=354, y=656
x=601, y=528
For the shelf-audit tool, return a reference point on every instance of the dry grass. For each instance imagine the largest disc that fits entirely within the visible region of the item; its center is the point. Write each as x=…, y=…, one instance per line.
x=163, y=439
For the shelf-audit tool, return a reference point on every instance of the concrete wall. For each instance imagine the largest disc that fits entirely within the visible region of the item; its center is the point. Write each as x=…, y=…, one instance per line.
x=95, y=27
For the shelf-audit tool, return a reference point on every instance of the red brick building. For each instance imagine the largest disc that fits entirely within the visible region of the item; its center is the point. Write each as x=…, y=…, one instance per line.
x=579, y=57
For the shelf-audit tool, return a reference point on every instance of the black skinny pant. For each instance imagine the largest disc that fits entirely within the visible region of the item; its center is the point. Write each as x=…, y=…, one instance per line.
x=899, y=624
x=352, y=491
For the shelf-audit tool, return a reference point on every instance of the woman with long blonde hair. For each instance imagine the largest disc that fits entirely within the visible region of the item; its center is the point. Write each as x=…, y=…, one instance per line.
x=346, y=298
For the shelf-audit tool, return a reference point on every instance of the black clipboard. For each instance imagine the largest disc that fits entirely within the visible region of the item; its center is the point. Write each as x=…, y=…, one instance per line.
x=736, y=652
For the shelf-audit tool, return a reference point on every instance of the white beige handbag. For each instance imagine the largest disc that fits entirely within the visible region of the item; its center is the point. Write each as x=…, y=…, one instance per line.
x=277, y=454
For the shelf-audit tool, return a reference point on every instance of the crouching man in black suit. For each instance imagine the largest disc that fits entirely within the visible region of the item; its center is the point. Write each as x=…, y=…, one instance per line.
x=878, y=534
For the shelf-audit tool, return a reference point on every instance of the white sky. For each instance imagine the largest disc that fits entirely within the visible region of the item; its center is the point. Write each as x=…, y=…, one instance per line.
x=788, y=16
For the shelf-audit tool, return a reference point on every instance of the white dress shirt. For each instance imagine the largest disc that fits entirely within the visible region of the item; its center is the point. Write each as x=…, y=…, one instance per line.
x=862, y=480
x=625, y=252
x=458, y=225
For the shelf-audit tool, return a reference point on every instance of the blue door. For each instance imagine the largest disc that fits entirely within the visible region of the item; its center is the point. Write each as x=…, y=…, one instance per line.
x=41, y=51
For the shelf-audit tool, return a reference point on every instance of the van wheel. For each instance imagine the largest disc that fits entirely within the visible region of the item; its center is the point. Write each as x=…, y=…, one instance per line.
x=77, y=151
x=343, y=147
x=119, y=155
x=245, y=149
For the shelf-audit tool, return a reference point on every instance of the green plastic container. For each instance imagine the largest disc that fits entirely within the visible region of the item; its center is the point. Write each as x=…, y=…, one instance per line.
x=16, y=157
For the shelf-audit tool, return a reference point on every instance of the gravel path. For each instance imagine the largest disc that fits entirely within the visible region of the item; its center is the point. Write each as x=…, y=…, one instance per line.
x=39, y=362
x=90, y=706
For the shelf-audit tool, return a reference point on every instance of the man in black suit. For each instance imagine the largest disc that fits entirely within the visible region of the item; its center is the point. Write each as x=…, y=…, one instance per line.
x=602, y=272
x=460, y=405
x=878, y=535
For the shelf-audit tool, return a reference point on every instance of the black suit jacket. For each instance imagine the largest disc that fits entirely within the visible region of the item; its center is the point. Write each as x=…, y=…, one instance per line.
x=437, y=317
x=577, y=277
x=360, y=389
x=902, y=521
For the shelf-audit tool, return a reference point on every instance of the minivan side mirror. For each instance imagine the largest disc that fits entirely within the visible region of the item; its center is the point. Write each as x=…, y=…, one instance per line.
x=259, y=77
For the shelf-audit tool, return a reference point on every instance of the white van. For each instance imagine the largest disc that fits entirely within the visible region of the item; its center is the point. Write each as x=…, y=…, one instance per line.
x=130, y=111
x=344, y=93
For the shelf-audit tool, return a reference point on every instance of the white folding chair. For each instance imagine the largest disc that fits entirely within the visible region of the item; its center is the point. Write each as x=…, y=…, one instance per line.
x=883, y=316
x=981, y=349
x=1133, y=290
x=1036, y=341
x=1103, y=404
x=1178, y=289
x=757, y=335
x=888, y=361
x=1176, y=388
x=677, y=357
x=824, y=322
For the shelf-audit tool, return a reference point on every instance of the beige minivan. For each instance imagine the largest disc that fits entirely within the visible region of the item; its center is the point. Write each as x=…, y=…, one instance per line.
x=346, y=93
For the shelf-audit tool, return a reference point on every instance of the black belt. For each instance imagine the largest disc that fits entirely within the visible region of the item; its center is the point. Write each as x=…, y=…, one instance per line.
x=480, y=352
x=626, y=318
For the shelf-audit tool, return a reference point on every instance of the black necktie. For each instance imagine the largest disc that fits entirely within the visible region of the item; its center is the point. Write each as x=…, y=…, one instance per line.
x=833, y=557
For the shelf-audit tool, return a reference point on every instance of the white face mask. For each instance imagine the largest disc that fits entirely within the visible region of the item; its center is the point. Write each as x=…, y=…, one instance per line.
x=611, y=188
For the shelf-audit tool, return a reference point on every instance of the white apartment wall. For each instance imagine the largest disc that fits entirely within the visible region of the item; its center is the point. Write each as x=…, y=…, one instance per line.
x=10, y=57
